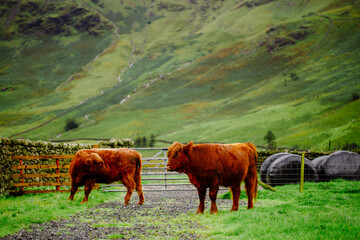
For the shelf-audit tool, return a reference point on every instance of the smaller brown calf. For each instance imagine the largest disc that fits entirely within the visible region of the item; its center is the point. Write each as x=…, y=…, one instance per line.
x=90, y=166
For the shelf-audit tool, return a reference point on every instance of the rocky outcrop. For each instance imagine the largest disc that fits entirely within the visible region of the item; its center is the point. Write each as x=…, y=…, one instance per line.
x=34, y=18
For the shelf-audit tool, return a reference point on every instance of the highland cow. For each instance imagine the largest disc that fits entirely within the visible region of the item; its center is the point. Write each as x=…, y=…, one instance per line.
x=90, y=166
x=214, y=165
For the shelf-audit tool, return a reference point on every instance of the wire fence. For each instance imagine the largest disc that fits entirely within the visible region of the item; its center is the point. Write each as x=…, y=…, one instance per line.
x=285, y=168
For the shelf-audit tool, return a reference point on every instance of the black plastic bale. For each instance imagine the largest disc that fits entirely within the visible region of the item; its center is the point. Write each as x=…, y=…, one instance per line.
x=341, y=164
x=317, y=164
x=286, y=170
x=266, y=164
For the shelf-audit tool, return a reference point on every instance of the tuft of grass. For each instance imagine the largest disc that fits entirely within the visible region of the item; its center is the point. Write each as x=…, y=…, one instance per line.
x=226, y=195
x=116, y=236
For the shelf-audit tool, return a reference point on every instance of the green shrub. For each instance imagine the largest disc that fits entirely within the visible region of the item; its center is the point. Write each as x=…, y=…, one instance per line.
x=71, y=124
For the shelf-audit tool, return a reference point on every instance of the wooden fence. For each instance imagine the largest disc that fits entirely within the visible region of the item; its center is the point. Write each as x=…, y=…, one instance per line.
x=55, y=173
x=23, y=160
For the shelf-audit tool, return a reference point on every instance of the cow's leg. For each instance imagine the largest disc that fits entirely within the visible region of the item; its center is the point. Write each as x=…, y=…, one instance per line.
x=235, y=190
x=202, y=193
x=130, y=185
x=139, y=189
x=89, y=184
x=250, y=185
x=212, y=194
x=74, y=189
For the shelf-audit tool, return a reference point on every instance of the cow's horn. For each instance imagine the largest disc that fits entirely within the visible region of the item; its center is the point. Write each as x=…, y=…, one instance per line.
x=96, y=158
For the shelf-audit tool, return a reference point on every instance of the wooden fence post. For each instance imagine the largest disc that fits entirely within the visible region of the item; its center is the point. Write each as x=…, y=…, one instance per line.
x=302, y=170
x=21, y=174
x=57, y=172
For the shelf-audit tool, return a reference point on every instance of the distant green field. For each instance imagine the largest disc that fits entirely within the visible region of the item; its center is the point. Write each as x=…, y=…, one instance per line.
x=215, y=72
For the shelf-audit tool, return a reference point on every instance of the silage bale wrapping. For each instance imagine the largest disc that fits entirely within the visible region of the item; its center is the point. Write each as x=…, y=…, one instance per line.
x=286, y=170
x=266, y=164
x=342, y=164
x=317, y=164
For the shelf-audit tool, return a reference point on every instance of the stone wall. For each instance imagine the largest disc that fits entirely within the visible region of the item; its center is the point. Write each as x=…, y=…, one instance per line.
x=13, y=147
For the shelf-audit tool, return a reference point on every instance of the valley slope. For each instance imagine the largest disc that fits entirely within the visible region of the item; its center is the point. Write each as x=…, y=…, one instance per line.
x=208, y=71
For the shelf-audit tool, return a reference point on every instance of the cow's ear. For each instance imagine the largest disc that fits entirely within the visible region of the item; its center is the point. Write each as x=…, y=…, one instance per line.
x=96, y=158
x=187, y=147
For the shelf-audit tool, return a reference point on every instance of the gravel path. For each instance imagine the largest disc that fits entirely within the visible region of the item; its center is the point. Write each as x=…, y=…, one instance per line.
x=112, y=220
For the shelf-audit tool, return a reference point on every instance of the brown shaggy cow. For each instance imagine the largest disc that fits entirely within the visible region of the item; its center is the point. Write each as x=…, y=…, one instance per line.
x=211, y=165
x=90, y=166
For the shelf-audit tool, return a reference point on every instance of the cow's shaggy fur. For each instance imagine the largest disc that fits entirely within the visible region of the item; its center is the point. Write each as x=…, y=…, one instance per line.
x=214, y=165
x=90, y=166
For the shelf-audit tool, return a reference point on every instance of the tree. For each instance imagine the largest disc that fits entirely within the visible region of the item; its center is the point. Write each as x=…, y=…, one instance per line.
x=144, y=141
x=71, y=124
x=355, y=96
x=270, y=139
x=152, y=140
x=294, y=76
x=138, y=142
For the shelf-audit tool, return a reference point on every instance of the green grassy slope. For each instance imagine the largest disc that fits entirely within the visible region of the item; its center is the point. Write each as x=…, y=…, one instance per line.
x=214, y=71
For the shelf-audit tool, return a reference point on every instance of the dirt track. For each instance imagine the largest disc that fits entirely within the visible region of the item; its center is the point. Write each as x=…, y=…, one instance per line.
x=154, y=219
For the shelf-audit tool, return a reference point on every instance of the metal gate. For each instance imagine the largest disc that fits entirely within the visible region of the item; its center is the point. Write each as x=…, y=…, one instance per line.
x=154, y=176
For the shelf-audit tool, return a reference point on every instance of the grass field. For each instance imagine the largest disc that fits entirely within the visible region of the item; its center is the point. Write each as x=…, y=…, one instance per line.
x=323, y=211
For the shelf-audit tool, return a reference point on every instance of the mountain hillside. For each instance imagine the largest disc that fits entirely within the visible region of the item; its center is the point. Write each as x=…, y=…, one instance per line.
x=202, y=70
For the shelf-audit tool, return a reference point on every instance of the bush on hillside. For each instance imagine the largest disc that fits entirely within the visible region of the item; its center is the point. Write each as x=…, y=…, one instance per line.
x=270, y=139
x=143, y=141
x=71, y=124
x=351, y=147
x=355, y=96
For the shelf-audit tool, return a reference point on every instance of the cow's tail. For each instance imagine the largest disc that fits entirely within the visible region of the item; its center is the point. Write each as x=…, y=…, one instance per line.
x=138, y=162
x=138, y=178
x=256, y=183
x=254, y=168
